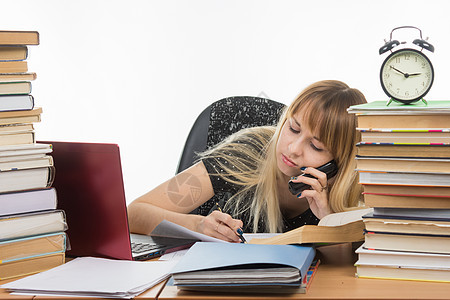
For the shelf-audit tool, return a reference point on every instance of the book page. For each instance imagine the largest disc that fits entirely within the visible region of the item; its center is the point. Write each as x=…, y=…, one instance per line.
x=249, y=236
x=345, y=217
x=166, y=228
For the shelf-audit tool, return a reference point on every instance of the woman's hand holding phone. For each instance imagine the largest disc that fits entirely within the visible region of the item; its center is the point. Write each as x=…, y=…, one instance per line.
x=297, y=186
x=313, y=185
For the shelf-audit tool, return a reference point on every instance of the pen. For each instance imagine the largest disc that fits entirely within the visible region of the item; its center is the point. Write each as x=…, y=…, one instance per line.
x=239, y=233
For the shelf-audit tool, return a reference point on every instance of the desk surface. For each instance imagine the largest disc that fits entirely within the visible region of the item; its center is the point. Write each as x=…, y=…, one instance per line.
x=335, y=279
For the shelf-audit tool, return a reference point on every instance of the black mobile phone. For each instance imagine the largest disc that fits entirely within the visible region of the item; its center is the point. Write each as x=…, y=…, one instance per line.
x=330, y=168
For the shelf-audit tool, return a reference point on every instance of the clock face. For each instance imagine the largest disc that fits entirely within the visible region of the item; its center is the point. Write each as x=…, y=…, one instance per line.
x=406, y=75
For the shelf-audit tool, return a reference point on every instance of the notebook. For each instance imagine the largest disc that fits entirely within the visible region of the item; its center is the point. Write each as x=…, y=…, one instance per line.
x=89, y=187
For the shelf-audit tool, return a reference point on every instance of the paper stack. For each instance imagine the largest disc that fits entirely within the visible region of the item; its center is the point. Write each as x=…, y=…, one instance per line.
x=94, y=277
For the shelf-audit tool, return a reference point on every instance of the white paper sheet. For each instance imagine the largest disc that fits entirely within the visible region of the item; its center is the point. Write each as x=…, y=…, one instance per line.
x=96, y=277
x=166, y=228
x=174, y=256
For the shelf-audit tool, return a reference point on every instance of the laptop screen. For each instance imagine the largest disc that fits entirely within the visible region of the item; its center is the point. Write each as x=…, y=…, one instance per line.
x=89, y=187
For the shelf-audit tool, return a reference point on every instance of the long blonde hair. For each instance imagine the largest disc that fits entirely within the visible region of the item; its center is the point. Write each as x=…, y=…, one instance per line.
x=251, y=154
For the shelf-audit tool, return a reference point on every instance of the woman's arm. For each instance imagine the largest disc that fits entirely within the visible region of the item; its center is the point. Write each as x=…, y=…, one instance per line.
x=174, y=199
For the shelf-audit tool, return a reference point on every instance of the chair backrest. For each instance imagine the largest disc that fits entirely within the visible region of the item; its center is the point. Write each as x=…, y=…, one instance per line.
x=225, y=117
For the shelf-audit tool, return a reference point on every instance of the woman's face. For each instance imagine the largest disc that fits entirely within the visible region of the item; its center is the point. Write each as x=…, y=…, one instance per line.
x=299, y=147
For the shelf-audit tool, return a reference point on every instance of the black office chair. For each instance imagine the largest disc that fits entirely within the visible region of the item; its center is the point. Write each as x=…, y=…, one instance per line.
x=229, y=115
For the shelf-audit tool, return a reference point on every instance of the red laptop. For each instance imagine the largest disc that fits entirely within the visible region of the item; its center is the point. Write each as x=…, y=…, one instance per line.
x=89, y=187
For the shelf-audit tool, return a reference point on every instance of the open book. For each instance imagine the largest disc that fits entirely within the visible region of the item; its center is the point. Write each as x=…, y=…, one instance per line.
x=334, y=228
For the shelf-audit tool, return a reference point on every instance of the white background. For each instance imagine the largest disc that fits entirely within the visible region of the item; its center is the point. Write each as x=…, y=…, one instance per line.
x=137, y=73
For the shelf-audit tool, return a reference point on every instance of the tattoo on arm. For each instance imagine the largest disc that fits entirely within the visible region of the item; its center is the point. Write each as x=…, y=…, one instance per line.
x=184, y=189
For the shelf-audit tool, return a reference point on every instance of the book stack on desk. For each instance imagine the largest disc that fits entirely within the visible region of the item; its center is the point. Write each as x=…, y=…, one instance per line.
x=403, y=163
x=32, y=235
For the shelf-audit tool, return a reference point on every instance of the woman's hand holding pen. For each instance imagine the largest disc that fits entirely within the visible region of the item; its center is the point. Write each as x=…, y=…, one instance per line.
x=221, y=225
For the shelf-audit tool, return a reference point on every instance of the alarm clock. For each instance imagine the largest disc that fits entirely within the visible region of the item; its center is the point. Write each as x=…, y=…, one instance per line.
x=407, y=74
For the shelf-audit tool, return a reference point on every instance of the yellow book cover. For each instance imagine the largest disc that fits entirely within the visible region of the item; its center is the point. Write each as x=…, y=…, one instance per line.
x=32, y=246
x=30, y=266
x=12, y=37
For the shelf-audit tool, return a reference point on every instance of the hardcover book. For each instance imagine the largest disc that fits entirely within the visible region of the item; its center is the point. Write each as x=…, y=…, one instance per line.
x=15, y=37
x=407, y=190
x=28, y=201
x=20, y=116
x=413, y=213
x=14, y=77
x=406, y=224
x=30, y=266
x=402, y=265
x=32, y=246
x=430, y=150
x=435, y=114
x=22, y=225
x=17, y=152
x=17, y=138
x=403, y=164
x=14, y=52
x=25, y=179
x=406, y=201
x=16, y=102
x=401, y=258
x=32, y=163
x=395, y=108
x=404, y=121
x=13, y=66
x=15, y=88
x=404, y=178
x=395, y=271
x=389, y=135
x=334, y=228
x=425, y=243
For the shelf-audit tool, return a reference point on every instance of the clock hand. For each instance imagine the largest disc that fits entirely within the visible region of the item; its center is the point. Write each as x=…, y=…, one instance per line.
x=404, y=74
x=414, y=74
x=399, y=71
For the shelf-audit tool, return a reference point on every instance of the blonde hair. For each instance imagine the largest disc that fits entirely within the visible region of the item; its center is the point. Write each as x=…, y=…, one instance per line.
x=251, y=154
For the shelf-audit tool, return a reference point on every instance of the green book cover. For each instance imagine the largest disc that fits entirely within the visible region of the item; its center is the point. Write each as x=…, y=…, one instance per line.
x=437, y=105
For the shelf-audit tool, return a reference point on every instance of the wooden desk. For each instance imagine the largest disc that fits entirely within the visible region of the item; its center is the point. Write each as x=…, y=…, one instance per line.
x=149, y=294
x=335, y=279
x=6, y=295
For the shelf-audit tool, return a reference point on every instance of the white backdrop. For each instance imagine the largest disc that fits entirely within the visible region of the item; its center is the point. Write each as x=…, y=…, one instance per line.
x=137, y=73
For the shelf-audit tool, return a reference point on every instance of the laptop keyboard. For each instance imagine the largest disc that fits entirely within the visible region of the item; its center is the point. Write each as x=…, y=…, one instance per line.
x=144, y=247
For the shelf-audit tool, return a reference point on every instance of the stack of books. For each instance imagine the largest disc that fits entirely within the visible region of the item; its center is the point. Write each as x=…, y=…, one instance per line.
x=403, y=162
x=32, y=237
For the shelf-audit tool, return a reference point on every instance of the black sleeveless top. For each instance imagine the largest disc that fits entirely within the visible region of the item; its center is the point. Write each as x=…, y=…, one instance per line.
x=227, y=118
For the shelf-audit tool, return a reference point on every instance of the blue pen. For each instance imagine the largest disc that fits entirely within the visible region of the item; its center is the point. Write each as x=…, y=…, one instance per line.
x=241, y=235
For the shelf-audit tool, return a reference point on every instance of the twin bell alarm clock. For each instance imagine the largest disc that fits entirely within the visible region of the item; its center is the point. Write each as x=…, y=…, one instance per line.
x=406, y=74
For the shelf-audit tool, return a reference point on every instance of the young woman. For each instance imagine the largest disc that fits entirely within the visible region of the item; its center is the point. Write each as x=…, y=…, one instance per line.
x=243, y=181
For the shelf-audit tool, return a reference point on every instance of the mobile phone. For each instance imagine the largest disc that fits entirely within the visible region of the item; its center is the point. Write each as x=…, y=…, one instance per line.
x=330, y=168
